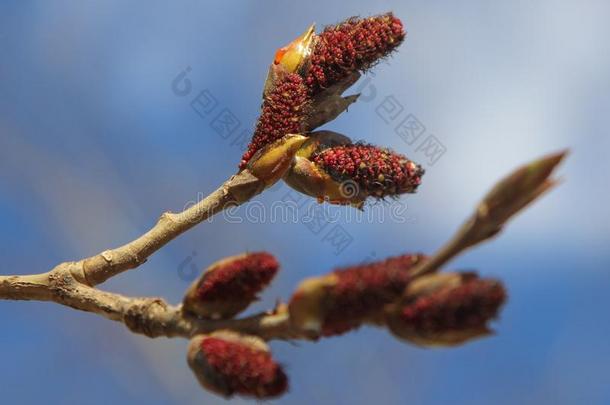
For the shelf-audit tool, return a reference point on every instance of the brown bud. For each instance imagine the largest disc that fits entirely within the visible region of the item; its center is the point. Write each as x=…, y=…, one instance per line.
x=512, y=194
x=228, y=286
x=229, y=363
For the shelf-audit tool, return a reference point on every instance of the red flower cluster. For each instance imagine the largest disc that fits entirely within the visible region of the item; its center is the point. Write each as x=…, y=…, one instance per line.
x=355, y=44
x=445, y=309
x=467, y=306
x=229, y=364
x=243, y=277
x=440, y=309
x=230, y=285
x=347, y=297
x=378, y=172
x=362, y=291
x=283, y=112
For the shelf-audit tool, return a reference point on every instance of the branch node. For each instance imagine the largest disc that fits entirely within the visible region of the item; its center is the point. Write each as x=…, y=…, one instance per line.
x=168, y=217
x=107, y=256
x=140, y=317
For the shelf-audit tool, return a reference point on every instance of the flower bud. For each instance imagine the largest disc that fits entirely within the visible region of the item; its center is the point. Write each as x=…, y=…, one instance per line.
x=446, y=309
x=512, y=194
x=348, y=174
x=307, y=178
x=353, y=45
x=228, y=363
x=344, y=299
x=228, y=286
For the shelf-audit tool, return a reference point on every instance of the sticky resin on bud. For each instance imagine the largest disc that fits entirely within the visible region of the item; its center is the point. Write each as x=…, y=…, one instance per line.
x=228, y=363
x=294, y=56
x=228, y=286
x=446, y=309
x=343, y=300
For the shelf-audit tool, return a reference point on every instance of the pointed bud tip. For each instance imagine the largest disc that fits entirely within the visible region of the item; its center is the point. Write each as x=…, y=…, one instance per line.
x=510, y=195
x=293, y=56
x=555, y=158
x=544, y=166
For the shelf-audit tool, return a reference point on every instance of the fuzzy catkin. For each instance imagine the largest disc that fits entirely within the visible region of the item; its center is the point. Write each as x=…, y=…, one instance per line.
x=228, y=363
x=353, y=45
x=283, y=112
x=470, y=305
x=242, y=278
x=377, y=171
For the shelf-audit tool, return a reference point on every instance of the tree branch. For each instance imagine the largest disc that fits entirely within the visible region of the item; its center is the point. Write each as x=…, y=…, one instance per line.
x=507, y=198
x=149, y=316
x=73, y=283
x=99, y=268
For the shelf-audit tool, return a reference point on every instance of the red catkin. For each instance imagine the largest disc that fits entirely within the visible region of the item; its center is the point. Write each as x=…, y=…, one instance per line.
x=241, y=278
x=283, y=112
x=362, y=291
x=470, y=305
x=378, y=172
x=342, y=300
x=240, y=368
x=353, y=45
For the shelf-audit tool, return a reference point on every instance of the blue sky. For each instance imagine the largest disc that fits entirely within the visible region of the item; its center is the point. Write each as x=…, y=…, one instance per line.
x=94, y=145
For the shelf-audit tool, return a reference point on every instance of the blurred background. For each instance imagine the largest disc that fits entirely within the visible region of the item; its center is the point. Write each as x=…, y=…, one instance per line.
x=97, y=138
